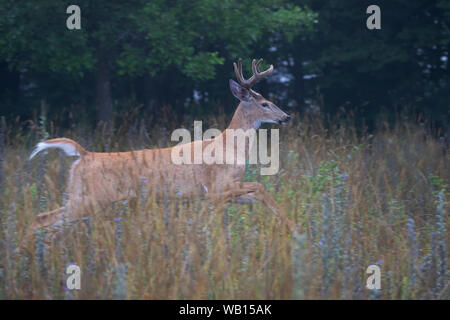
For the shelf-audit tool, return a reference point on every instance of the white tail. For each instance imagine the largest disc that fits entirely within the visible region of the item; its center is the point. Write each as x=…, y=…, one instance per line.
x=70, y=147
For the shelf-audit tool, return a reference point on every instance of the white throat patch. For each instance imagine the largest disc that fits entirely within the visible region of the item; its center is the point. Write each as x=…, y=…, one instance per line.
x=258, y=122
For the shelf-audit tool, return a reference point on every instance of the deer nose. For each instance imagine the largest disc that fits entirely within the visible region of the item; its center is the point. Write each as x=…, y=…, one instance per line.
x=285, y=119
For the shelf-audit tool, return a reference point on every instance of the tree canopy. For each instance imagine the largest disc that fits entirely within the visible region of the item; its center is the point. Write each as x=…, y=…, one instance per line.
x=179, y=53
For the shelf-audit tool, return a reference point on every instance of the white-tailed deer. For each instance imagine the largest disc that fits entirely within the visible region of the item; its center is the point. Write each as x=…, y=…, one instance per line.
x=98, y=179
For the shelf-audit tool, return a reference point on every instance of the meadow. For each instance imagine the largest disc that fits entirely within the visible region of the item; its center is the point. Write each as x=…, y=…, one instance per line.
x=357, y=198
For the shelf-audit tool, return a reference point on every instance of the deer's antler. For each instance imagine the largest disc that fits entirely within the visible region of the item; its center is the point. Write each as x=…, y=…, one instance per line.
x=257, y=75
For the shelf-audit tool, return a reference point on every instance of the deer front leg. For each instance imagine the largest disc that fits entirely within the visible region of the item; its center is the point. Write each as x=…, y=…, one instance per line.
x=255, y=191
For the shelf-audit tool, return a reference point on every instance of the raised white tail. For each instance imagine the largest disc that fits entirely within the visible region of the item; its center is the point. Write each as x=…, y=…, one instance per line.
x=70, y=147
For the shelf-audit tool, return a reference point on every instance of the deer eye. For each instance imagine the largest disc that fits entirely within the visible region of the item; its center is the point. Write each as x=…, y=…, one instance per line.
x=265, y=104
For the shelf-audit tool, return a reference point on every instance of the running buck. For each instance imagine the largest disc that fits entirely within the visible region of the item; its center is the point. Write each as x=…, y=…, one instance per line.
x=98, y=179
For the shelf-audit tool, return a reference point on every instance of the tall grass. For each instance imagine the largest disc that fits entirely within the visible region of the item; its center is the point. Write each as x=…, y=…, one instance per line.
x=357, y=199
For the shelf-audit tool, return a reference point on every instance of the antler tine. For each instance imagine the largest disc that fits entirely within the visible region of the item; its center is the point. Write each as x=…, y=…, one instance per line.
x=260, y=75
x=257, y=75
x=238, y=70
x=240, y=76
x=255, y=65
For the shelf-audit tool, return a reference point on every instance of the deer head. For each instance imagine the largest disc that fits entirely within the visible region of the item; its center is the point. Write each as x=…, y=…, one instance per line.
x=256, y=108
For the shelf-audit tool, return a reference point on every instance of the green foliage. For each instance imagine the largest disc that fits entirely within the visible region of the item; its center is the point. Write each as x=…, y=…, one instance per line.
x=182, y=33
x=291, y=18
x=33, y=191
x=328, y=175
x=201, y=66
x=438, y=184
x=34, y=36
x=184, y=41
x=144, y=36
x=250, y=173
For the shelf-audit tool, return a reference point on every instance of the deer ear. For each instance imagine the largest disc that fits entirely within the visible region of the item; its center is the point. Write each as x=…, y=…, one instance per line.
x=240, y=92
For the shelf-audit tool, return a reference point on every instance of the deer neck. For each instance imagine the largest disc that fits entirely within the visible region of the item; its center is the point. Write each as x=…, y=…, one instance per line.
x=242, y=119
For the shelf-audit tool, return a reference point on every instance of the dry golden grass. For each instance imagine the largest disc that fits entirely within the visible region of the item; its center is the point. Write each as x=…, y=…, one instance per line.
x=357, y=199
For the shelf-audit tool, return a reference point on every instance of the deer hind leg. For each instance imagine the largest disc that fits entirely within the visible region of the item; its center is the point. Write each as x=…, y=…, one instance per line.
x=48, y=218
x=42, y=220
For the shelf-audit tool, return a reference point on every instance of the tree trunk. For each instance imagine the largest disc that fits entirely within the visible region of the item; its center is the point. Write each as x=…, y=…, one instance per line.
x=299, y=84
x=104, y=100
x=149, y=94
